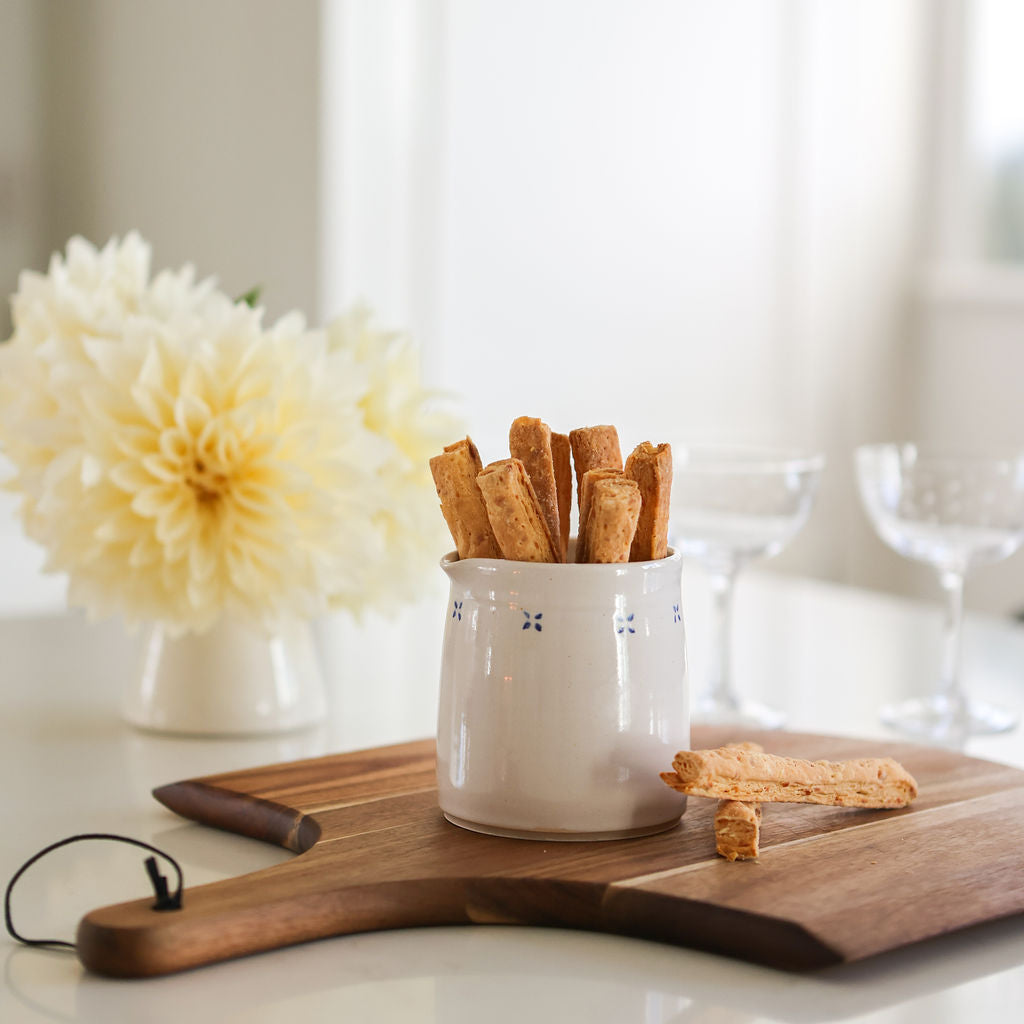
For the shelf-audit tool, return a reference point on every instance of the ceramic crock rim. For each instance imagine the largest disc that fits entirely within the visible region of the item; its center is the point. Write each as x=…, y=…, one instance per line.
x=617, y=569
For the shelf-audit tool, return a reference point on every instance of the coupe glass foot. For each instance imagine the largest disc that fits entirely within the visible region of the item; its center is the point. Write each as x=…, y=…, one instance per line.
x=742, y=714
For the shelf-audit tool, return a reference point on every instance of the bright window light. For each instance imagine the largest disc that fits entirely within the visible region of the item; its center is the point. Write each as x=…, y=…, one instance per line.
x=996, y=122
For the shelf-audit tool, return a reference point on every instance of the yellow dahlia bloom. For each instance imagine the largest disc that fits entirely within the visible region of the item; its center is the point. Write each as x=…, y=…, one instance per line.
x=415, y=424
x=177, y=459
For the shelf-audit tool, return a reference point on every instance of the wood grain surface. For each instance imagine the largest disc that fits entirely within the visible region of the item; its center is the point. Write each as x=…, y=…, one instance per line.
x=831, y=884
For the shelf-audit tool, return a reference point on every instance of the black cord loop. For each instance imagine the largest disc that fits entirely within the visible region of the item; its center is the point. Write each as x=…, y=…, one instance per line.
x=165, y=900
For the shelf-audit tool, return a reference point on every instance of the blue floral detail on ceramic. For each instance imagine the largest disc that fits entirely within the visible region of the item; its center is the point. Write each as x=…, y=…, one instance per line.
x=457, y=610
x=535, y=621
x=624, y=624
x=676, y=614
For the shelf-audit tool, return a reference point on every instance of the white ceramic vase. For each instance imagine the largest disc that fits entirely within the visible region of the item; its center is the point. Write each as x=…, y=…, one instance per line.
x=236, y=679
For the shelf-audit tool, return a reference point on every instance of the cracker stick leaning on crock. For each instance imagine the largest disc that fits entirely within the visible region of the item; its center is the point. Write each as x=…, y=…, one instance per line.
x=529, y=440
x=563, y=486
x=611, y=522
x=651, y=468
x=462, y=505
x=515, y=514
x=593, y=448
x=586, y=498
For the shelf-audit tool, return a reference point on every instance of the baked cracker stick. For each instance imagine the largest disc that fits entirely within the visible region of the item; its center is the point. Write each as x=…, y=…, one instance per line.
x=651, y=468
x=529, y=440
x=614, y=510
x=593, y=448
x=749, y=745
x=738, y=823
x=737, y=829
x=586, y=496
x=736, y=774
x=514, y=513
x=462, y=505
x=563, y=486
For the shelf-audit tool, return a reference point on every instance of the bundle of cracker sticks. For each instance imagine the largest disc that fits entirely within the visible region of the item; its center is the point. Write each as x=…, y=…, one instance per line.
x=520, y=507
x=741, y=776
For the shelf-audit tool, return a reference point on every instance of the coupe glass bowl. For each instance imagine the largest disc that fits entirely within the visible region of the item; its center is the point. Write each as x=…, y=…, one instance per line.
x=730, y=506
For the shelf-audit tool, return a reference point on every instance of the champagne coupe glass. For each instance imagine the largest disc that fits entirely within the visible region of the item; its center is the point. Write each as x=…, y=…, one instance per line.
x=730, y=505
x=953, y=512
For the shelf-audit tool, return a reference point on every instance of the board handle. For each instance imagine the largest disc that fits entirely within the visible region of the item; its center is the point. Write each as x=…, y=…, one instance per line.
x=287, y=904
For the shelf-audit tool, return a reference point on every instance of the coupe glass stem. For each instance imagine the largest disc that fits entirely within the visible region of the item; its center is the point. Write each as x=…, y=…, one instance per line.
x=720, y=690
x=949, y=682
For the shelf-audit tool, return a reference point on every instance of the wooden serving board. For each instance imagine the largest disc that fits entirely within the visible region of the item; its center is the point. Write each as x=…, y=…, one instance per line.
x=831, y=884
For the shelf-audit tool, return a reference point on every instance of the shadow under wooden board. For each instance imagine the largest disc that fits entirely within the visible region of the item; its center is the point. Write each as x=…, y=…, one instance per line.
x=832, y=885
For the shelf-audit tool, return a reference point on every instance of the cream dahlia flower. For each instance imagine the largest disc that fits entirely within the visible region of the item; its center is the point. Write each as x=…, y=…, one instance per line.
x=179, y=460
x=416, y=424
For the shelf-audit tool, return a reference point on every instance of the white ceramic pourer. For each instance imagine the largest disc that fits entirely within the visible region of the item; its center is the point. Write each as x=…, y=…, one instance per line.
x=563, y=695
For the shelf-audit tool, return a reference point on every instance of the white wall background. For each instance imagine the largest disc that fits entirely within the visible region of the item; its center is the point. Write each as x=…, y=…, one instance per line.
x=691, y=218
x=695, y=220
x=21, y=142
x=194, y=122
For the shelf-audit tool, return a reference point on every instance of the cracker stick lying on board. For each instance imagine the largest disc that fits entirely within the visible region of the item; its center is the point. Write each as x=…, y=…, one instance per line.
x=462, y=505
x=586, y=498
x=593, y=448
x=563, y=486
x=529, y=440
x=738, y=822
x=611, y=522
x=515, y=515
x=737, y=829
x=651, y=468
x=736, y=774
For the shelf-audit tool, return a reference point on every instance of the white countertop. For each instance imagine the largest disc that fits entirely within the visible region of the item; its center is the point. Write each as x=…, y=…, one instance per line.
x=830, y=655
